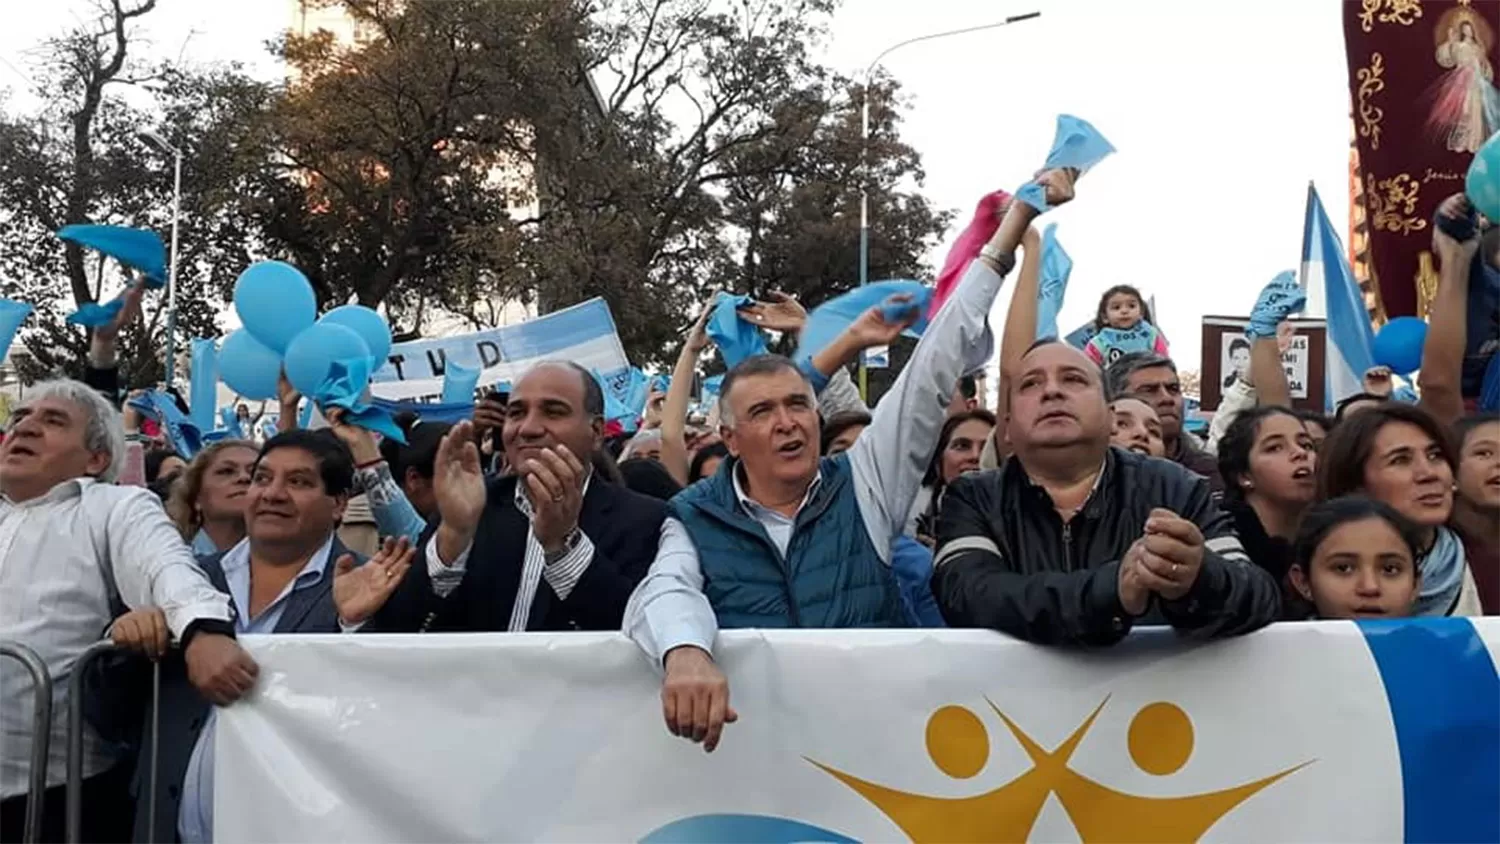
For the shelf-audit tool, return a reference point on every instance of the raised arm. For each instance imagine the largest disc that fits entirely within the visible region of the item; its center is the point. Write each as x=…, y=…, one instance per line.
x=290, y=401
x=1021, y=318
x=891, y=456
x=394, y=514
x=1267, y=385
x=103, y=369
x=1447, y=325
x=674, y=451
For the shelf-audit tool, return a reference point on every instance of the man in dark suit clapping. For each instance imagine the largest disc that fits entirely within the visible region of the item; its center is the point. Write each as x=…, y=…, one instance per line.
x=550, y=547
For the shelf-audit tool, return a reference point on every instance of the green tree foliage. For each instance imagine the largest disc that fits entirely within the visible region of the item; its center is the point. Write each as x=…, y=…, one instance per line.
x=462, y=153
x=79, y=159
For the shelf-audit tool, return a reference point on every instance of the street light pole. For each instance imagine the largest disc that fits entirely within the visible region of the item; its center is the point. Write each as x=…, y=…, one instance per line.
x=864, y=156
x=176, y=153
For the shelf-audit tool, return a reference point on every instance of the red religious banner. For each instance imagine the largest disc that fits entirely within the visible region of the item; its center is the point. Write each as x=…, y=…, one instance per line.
x=1422, y=84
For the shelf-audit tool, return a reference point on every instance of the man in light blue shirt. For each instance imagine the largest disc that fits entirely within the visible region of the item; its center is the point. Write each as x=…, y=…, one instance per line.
x=781, y=538
x=279, y=580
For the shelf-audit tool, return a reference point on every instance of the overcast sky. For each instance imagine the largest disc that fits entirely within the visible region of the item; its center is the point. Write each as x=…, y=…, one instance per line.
x=1221, y=112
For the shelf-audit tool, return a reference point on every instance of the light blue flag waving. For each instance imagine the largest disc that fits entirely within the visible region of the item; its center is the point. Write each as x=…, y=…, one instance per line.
x=1077, y=144
x=1326, y=275
x=617, y=386
x=1056, y=267
x=231, y=422
x=12, y=314
x=203, y=389
x=828, y=320
x=182, y=434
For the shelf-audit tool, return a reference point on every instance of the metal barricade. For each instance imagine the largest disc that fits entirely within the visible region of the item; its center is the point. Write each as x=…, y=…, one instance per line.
x=75, y=739
x=41, y=732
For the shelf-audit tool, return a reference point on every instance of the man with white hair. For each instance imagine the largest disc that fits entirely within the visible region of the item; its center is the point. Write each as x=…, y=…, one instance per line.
x=782, y=536
x=74, y=551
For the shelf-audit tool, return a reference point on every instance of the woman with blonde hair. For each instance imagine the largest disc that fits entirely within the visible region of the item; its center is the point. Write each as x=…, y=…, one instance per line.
x=208, y=500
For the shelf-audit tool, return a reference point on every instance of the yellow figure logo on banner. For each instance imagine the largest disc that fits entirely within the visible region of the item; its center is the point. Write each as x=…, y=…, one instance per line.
x=1160, y=741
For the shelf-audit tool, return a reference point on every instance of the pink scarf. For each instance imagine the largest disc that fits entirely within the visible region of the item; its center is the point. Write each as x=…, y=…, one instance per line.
x=981, y=228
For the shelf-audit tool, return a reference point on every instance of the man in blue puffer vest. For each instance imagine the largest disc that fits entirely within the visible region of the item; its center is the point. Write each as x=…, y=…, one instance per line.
x=781, y=538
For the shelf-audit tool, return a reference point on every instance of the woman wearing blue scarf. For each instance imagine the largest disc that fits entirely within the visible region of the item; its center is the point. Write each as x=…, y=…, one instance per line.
x=1400, y=455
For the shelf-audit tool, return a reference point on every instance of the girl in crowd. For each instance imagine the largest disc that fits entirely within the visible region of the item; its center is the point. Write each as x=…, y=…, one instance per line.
x=208, y=500
x=1123, y=325
x=706, y=461
x=959, y=445
x=1357, y=558
x=1317, y=425
x=1400, y=455
x=1476, y=510
x=1136, y=427
x=1268, y=461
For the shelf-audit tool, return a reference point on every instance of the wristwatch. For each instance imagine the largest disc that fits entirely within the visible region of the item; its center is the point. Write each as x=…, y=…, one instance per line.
x=570, y=544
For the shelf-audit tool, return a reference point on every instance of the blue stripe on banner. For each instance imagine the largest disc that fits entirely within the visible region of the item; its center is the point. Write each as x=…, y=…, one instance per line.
x=1445, y=704
x=743, y=829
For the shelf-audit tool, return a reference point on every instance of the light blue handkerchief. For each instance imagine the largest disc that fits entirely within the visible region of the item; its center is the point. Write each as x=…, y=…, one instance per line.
x=735, y=336
x=828, y=320
x=344, y=388
x=139, y=249
x=1078, y=145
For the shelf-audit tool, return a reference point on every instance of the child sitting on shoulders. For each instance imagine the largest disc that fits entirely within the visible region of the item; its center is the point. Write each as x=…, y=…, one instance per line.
x=1122, y=326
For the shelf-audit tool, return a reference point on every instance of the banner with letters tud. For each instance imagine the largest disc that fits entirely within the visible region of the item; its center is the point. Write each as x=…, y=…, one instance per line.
x=1381, y=731
x=583, y=333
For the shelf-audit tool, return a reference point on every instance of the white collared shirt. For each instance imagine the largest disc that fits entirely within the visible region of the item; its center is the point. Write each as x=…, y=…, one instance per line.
x=562, y=574
x=54, y=552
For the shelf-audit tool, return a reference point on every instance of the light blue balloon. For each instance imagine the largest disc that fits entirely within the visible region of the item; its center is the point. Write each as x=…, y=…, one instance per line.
x=369, y=325
x=248, y=367
x=1483, y=183
x=311, y=355
x=275, y=303
x=1398, y=345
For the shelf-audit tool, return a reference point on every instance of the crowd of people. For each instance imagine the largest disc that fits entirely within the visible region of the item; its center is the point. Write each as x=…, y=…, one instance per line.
x=1078, y=509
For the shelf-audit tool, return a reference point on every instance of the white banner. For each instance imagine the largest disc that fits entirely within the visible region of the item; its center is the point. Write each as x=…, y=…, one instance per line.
x=1302, y=732
x=583, y=333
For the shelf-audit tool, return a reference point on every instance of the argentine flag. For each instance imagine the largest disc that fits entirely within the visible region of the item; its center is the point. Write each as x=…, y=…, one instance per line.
x=1332, y=293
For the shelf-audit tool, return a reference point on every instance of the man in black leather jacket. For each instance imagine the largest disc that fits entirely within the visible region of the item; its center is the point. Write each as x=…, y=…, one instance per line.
x=1072, y=541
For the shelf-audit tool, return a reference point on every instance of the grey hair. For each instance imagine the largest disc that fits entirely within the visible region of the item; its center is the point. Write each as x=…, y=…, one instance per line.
x=640, y=440
x=1117, y=375
x=766, y=364
x=103, y=430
